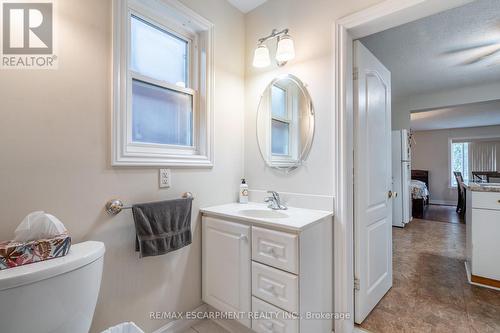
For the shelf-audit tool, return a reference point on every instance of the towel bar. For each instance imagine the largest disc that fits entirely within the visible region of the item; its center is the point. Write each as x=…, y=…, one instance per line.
x=115, y=206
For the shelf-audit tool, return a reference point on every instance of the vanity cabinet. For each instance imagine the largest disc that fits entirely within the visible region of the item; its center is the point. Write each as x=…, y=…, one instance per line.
x=284, y=272
x=226, y=266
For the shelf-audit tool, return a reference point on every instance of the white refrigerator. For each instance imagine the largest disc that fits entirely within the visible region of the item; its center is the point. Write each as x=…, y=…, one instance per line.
x=401, y=178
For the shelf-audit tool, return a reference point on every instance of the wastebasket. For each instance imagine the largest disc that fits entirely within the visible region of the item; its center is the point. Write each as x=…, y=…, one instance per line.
x=124, y=328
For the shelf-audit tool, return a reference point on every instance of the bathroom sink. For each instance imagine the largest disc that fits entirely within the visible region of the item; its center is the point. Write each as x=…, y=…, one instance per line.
x=259, y=214
x=263, y=214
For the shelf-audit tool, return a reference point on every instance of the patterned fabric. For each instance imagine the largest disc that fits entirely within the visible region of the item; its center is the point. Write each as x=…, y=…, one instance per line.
x=13, y=254
x=418, y=189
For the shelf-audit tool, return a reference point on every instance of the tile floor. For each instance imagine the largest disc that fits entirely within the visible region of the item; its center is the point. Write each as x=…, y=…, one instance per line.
x=206, y=326
x=430, y=290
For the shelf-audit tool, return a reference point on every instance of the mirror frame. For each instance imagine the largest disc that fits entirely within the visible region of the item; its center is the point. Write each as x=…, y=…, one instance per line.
x=312, y=127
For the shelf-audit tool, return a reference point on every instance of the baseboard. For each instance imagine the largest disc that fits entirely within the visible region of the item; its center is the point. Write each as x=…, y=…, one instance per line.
x=475, y=281
x=181, y=325
x=442, y=202
x=230, y=325
x=299, y=200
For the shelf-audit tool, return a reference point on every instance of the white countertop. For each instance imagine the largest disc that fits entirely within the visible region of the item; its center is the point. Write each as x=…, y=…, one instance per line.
x=295, y=219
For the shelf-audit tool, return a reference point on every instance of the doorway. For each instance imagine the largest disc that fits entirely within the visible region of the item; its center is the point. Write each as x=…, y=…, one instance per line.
x=375, y=19
x=433, y=262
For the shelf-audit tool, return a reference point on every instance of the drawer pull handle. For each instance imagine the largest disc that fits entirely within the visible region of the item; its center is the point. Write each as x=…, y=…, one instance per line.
x=270, y=250
x=270, y=289
x=269, y=327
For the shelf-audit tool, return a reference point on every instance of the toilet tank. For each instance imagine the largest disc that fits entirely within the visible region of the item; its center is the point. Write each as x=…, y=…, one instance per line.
x=53, y=296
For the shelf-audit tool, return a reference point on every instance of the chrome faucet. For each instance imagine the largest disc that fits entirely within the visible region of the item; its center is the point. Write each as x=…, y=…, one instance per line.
x=274, y=201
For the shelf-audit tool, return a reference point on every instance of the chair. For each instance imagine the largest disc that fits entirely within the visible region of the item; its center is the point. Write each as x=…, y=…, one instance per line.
x=461, y=192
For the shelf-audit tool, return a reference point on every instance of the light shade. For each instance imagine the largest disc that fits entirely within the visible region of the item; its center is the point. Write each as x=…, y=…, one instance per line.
x=261, y=57
x=286, y=49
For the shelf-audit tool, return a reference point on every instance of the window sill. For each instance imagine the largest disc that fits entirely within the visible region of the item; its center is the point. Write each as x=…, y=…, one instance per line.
x=193, y=161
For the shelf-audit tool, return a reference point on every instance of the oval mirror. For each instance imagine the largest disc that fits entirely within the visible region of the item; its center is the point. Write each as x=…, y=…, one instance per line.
x=285, y=123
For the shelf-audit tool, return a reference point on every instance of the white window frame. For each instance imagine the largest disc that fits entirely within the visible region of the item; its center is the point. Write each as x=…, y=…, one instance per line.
x=177, y=19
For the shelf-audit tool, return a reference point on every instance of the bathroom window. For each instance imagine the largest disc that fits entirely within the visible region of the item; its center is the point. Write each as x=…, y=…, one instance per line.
x=162, y=85
x=285, y=134
x=280, y=128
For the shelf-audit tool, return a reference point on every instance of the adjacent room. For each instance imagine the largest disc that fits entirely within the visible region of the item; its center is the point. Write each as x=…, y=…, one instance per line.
x=445, y=148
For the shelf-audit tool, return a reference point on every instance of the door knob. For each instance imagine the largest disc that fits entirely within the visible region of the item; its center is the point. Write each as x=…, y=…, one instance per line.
x=243, y=237
x=390, y=194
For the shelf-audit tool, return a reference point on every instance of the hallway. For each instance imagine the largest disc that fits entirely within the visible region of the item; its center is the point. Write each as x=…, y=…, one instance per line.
x=430, y=291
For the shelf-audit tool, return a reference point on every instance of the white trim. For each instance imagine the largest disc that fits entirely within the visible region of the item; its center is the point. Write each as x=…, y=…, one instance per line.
x=123, y=153
x=387, y=14
x=182, y=325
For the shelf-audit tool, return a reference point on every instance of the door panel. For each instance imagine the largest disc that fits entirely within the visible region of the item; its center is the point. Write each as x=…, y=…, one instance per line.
x=226, y=266
x=372, y=181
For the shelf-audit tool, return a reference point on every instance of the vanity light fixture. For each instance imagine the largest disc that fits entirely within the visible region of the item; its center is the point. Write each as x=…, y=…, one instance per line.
x=261, y=57
x=285, y=50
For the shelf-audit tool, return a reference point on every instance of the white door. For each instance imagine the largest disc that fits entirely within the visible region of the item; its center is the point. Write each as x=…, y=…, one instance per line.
x=226, y=266
x=372, y=181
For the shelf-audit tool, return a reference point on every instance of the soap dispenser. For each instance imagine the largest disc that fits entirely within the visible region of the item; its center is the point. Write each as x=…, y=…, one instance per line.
x=243, y=192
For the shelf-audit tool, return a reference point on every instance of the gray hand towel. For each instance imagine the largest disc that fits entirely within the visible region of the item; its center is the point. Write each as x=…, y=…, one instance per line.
x=163, y=226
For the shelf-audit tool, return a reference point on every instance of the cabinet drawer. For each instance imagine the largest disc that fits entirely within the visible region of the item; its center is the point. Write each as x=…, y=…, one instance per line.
x=486, y=200
x=272, y=319
x=277, y=249
x=276, y=287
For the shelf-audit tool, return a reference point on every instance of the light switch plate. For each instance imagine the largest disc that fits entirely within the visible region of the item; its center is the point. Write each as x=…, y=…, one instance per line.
x=165, y=178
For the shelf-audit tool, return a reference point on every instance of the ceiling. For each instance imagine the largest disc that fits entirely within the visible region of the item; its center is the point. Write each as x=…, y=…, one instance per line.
x=246, y=5
x=466, y=115
x=435, y=53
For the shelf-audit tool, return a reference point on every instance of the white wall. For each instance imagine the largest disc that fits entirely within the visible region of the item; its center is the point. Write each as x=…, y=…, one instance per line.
x=55, y=153
x=430, y=152
x=310, y=24
x=400, y=116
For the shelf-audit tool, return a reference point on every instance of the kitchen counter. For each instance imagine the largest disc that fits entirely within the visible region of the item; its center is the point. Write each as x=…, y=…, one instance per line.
x=483, y=187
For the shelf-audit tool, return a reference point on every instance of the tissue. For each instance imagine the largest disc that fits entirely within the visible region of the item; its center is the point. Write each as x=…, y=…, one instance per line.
x=38, y=225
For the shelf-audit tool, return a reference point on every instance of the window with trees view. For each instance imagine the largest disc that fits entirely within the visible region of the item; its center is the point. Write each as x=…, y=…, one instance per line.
x=459, y=161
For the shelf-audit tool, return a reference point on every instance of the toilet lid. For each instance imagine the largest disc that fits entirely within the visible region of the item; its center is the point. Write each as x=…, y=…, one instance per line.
x=79, y=255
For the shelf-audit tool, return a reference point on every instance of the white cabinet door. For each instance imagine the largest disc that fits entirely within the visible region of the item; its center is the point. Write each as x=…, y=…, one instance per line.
x=485, y=225
x=372, y=185
x=226, y=266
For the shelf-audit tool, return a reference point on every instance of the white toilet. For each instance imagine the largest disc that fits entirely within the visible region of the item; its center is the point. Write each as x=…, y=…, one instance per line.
x=54, y=296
